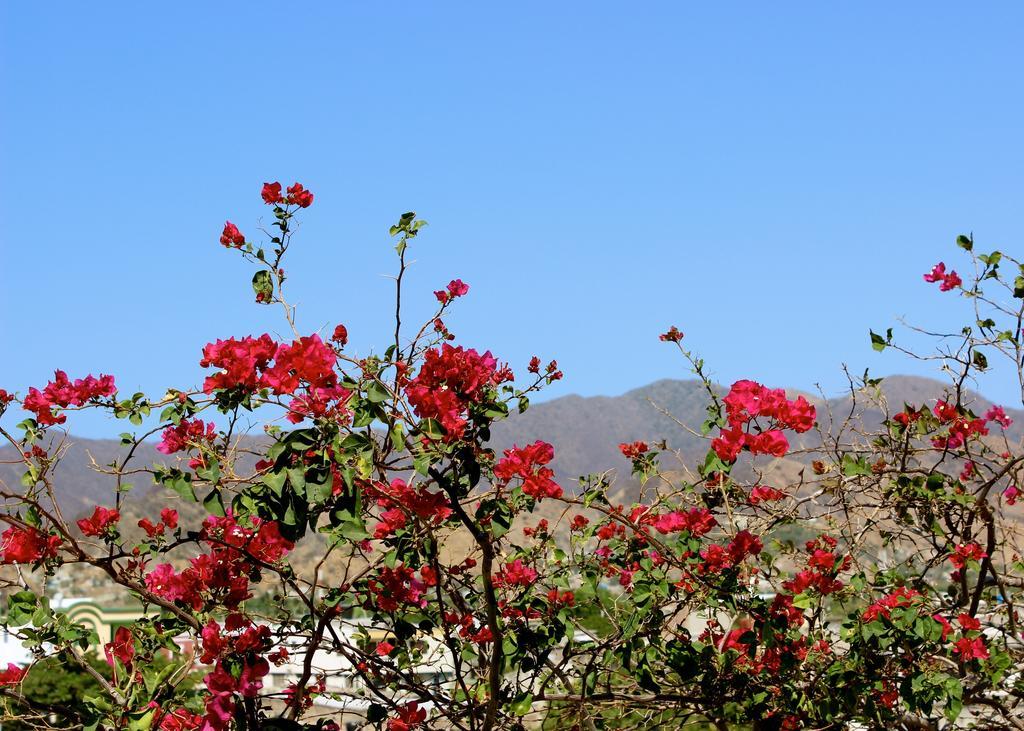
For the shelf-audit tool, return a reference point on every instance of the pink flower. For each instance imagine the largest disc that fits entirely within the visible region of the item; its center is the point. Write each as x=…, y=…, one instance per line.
x=998, y=415
x=61, y=393
x=515, y=573
x=456, y=288
x=1010, y=494
x=946, y=281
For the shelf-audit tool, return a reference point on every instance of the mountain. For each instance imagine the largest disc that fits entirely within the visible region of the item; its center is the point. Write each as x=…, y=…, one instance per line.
x=585, y=431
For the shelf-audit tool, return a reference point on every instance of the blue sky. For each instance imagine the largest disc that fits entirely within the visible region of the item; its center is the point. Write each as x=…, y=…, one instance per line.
x=772, y=179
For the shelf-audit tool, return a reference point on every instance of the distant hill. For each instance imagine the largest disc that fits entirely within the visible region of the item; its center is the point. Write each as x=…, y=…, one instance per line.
x=585, y=431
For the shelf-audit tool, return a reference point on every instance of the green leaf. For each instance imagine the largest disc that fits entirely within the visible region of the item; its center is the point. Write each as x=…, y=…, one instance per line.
x=878, y=342
x=965, y=242
x=214, y=503
x=21, y=607
x=263, y=286
x=275, y=481
x=853, y=466
x=376, y=393
x=522, y=704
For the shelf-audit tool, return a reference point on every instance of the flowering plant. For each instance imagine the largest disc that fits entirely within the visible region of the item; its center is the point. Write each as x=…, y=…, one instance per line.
x=812, y=570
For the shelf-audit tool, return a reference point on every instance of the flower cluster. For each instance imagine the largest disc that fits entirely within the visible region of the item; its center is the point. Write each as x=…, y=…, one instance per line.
x=27, y=545
x=966, y=552
x=823, y=568
x=673, y=335
x=456, y=288
x=231, y=236
x=960, y=427
x=307, y=363
x=297, y=195
x=100, y=522
x=239, y=361
x=399, y=500
x=946, y=281
x=221, y=576
x=62, y=393
x=529, y=464
x=450, y=380
x=239, y=666
x=186, y=435
x=899, y=598
x=515, y=573
x=391, y=588
x=748, y=401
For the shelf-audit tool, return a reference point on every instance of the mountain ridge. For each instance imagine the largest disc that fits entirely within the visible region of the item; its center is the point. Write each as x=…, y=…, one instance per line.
x=585, y=431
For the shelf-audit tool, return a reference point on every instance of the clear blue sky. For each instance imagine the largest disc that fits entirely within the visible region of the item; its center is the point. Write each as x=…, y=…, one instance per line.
x=774, y=179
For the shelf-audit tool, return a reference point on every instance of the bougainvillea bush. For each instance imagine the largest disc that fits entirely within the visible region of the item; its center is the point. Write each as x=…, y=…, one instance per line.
x=874, y=587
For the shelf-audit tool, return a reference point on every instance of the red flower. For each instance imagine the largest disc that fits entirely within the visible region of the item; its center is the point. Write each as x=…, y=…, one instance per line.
x=744, y=544
x=634, y=450
x=27, y=545
x=272, y=193
x=122, y=648
x=966, y=552
x=61, y=392
x=102, y=519
x=409, y=717
x=340, y=335
x=968, y=622
x=239, y=361
x=528, y=464
x=384, y=649
x=299, y=196
x=969, y=649
x=152, y=530
x=185, y=435
x=747, y=402
x=901, y=597
x=12, y=675
x=672, y=336
x=763, y=493
x=307, y=361
x=947, y=628
x=450, y=380
x=515, y=573
x=231, y=236
x=697, y=521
